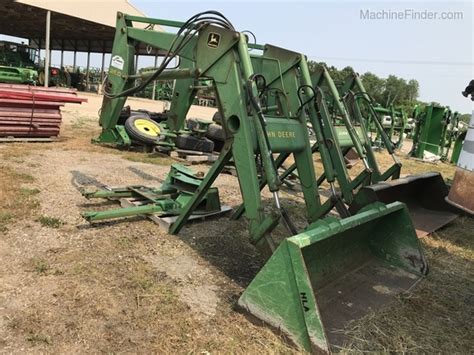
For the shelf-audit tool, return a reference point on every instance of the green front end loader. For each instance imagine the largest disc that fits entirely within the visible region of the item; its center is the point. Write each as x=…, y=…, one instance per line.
x=430, y=131
x=334, y=272
x=423, y=194
x=316, y=279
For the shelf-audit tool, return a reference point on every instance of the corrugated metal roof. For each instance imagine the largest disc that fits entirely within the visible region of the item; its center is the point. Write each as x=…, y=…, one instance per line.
x=76, y=25
x=102, y=11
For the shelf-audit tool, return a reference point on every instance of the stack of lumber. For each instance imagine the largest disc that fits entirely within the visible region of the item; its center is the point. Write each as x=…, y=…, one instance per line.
x=33, y=111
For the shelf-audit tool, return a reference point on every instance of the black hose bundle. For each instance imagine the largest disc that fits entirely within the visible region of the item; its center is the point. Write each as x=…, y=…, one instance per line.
x=184, y=35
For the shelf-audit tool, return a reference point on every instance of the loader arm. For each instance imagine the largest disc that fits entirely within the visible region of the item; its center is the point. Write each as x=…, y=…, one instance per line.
x=354, y=90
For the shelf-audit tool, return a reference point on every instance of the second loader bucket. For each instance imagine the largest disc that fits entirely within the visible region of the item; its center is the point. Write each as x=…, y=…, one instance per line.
x=423, y=194
x=334, y=272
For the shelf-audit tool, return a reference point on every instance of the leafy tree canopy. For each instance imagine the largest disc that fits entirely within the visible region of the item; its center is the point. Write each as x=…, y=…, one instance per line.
x=393, y=90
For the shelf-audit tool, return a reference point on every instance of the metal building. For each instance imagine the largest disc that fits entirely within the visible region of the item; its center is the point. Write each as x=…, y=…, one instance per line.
x=72, y=25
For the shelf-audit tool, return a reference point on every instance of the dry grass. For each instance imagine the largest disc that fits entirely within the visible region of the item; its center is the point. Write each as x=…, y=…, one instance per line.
x=149, y=158
x=93, y=290
x=77, y=134
x=409, y=166
x=16, y=202
x=107, y=298
x=51, y=222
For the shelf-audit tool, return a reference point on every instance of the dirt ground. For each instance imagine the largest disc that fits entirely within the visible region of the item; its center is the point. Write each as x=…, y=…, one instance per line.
x=129, y=287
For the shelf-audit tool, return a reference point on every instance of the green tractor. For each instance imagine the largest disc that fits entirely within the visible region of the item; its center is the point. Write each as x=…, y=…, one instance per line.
x=19, y=65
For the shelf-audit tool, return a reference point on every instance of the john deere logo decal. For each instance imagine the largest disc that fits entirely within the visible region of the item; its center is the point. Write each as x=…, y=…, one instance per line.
x=213, y=40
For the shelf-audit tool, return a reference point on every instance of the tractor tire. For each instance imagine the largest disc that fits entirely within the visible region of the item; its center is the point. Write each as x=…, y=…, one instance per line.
x=41, y=77
x=142, y=129
x=64, y=79
x=124, y=115
x=195, y=143
x=215, y=133
x=217, y=118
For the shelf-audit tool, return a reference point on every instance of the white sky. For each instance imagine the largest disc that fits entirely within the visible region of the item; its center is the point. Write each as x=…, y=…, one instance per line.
x=438, y=53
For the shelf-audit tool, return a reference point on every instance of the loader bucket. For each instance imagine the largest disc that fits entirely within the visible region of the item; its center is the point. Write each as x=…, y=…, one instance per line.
x=423, y=194
x=335, y=272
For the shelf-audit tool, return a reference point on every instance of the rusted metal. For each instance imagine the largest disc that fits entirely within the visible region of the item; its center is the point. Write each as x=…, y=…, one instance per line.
x=31, y=111
x=351, y=158
x=38, y=96
x=70, y=91
x=423, y=194
x=461, y=192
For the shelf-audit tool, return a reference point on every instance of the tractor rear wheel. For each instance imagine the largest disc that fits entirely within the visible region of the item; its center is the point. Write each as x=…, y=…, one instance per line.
x=142, y=129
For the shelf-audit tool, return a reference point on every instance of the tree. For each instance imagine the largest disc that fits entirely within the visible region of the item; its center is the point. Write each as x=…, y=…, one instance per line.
x=374, y=85
x=390, y=91
x=337, y=75
x=312, y=66
x=465, y=118
x=393, y=93
x=413, y=90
